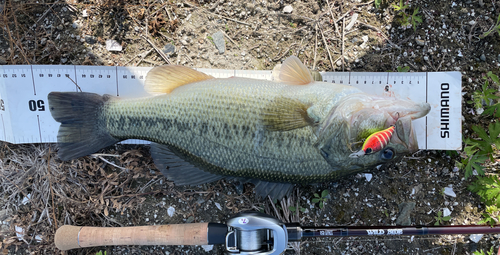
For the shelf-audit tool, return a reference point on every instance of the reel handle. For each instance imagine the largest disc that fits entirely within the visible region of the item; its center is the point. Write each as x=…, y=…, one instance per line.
x=71, y=237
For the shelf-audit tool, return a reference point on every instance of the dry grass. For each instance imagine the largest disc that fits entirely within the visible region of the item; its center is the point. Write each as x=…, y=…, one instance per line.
x=42, y=193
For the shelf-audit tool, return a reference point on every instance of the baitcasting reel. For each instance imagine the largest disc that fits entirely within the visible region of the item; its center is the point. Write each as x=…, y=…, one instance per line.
x=256, y=233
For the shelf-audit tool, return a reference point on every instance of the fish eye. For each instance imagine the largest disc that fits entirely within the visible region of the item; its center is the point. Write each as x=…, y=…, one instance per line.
x=387, y=154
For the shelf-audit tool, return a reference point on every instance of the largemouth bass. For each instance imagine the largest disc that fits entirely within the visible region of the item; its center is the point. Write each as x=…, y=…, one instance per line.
x=274, y=134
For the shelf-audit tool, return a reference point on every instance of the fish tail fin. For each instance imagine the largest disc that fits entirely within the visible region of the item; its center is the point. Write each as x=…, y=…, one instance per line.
x=82, y=129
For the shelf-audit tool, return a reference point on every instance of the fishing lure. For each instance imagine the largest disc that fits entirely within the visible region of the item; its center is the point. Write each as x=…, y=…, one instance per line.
x=375, y=142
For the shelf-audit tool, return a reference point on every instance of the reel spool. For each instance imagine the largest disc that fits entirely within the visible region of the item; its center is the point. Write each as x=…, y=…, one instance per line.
x=256, y=233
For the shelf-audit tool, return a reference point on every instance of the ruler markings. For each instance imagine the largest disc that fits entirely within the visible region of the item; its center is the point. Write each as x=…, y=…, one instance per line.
x=3, y=125
x=33, y=78
x=76, y=79
x=116, y=73
x=39, y=128
x=427, y=101
x=408, y=83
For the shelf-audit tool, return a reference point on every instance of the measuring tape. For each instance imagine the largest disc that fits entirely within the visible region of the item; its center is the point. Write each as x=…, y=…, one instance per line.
x=25, y=117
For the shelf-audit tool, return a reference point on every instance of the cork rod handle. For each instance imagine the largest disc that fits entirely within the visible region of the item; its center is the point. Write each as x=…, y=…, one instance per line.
x=70, y=237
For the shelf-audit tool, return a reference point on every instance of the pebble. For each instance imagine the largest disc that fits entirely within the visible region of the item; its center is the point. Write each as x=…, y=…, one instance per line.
x=460, y=55
x=446, y=212
x=64, y=60
x=169, y=48
x=219, y=42
x=170, y=211
x=449, y=192
x=476, y=237
x=90, y=39
x=368, y=177
x=472, y=22
x=207, y=247
x=218, y=206
x=483, y=57
x=404, y=215
x=420, y=42
x=288, y=9
x=85, y=14
x=112, y=45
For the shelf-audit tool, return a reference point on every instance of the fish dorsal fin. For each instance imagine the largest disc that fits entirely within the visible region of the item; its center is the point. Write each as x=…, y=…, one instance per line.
x=285, y=114
x=294, y=72
x=164, y=79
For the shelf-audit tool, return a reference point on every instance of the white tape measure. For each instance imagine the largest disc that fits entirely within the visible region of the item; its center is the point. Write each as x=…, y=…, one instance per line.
x=25, y=117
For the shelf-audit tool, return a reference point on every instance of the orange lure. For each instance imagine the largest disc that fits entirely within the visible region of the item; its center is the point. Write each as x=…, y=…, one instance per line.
x=375, y=142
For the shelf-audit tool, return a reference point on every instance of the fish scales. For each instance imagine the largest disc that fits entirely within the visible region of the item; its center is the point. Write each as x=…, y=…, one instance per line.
x=294, y=130
x=219, y=123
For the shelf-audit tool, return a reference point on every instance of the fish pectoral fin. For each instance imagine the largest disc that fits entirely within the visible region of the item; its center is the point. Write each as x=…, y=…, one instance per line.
x=285, y=114
x=177, y=169
x=294, y=72
x=164, y=79
x=276, y=190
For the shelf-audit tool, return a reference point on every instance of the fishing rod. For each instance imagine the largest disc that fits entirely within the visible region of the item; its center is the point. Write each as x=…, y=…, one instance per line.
x=246, y=233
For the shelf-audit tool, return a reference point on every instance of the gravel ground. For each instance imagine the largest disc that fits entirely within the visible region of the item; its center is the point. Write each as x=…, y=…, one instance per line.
x=122, y=187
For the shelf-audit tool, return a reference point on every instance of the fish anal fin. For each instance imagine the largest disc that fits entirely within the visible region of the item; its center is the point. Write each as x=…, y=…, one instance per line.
x=276, y=190
x=177, y=169
x=164, y=79
x=294, y=72
x=285, y=114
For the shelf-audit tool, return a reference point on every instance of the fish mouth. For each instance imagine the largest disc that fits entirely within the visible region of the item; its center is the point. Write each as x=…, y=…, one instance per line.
x=405, y=134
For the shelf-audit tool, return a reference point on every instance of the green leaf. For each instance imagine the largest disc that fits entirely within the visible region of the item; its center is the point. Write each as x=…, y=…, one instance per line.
x=292, y=208
x=493, y=76
x=447, y=218
x=315, y=200
x=324, y=193
x=321, y=205
x=316, y=195
x=302, y=209
x=437, y=223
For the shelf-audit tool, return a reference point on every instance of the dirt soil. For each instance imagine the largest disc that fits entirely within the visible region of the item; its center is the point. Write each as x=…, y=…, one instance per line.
x=120, y=186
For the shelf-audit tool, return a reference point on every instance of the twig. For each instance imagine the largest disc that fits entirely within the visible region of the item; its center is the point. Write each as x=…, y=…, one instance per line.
x=74, y=83
x=113, y=164
x=51, y=190
x=333, y=19
x=162, y=54
x=382, y=34
x=144, y=55
x=441, y=63
x=315, y=47
x=230, y=39
x=326, y=46
x=343, y=45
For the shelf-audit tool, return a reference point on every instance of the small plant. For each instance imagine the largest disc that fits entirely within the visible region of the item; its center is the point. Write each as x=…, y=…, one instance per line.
x=377, y=3
x=441, y=192
x=440, y=219
x=403, y=69
x=414, y=20
x=211, y=39
x=488, y=188
x=293, y=209
x=100, y=253
x=477, y=151
x=485, y=95
x=496, y=27
x=481, y=252
x=493, y=110
x=321, y=199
